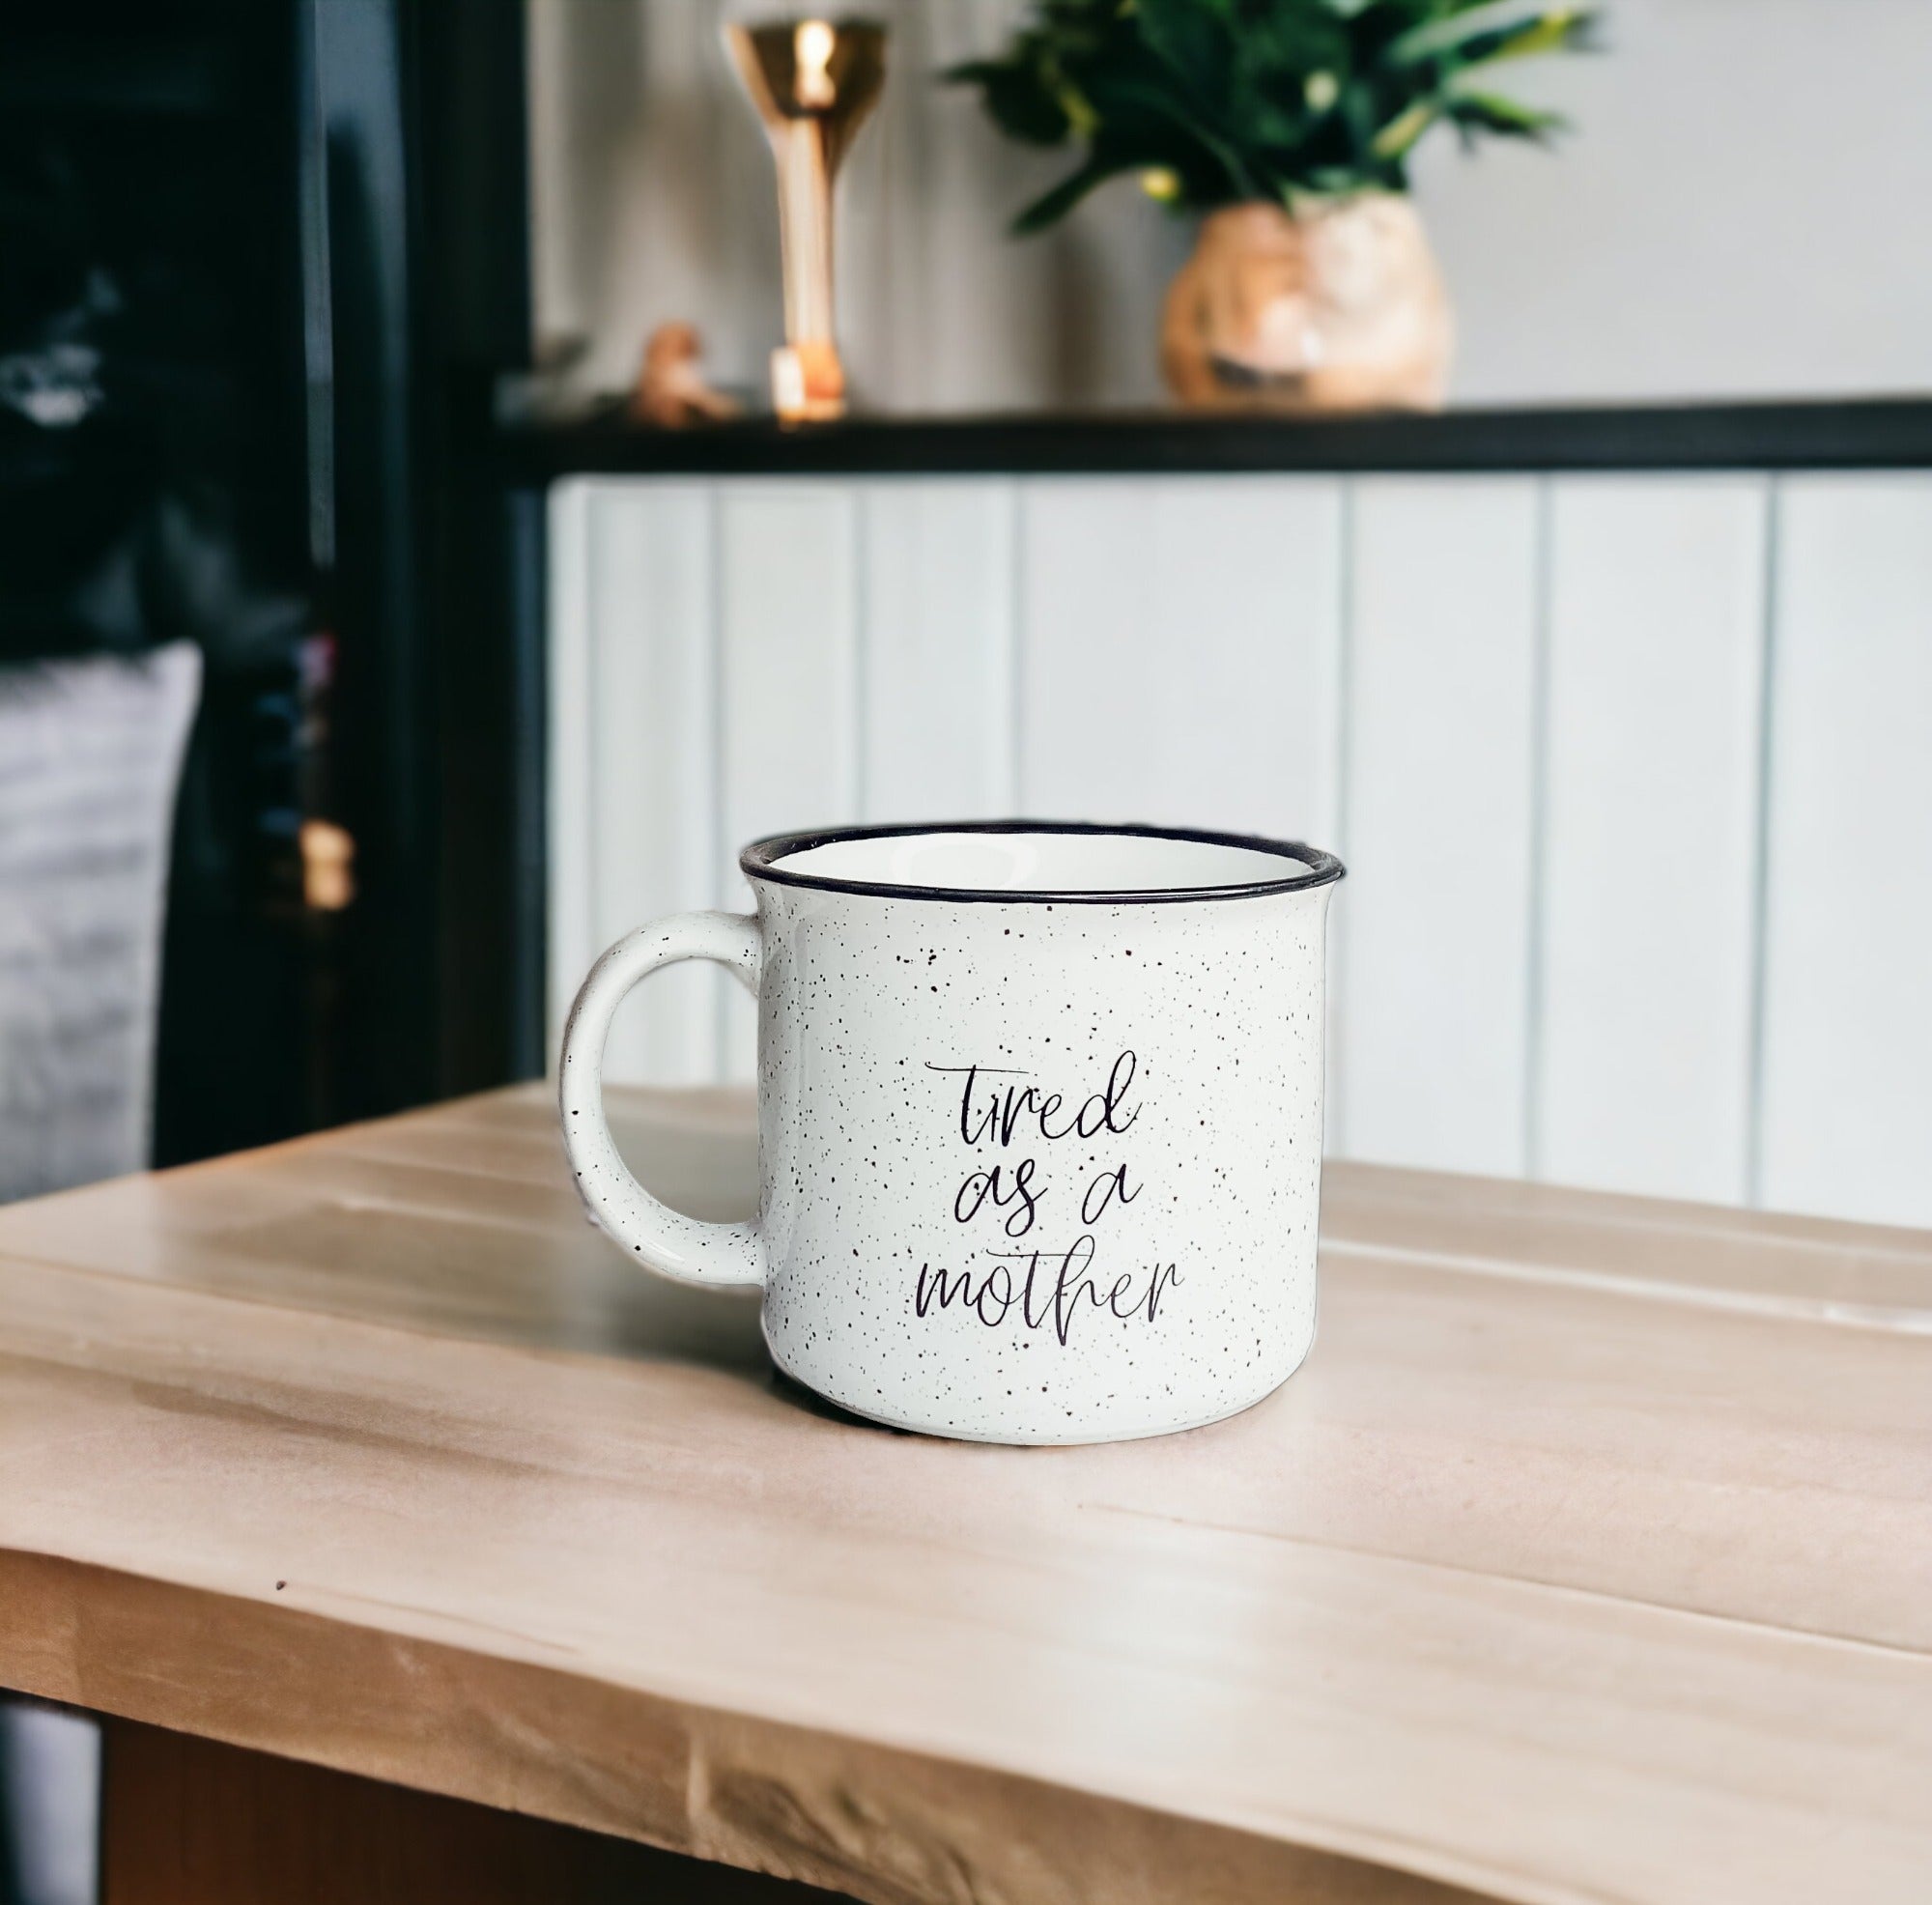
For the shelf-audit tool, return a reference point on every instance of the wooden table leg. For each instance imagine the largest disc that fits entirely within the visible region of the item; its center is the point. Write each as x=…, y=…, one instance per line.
x=186, y=1821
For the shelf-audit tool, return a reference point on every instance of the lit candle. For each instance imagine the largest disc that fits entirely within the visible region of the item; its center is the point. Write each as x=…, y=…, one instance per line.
x=813, y=82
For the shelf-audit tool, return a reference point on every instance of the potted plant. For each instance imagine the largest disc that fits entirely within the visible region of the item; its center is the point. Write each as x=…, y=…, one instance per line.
x=1290, y=124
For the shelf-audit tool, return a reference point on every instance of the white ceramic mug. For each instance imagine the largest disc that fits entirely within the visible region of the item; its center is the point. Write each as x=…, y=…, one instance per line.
x=1039, y=1121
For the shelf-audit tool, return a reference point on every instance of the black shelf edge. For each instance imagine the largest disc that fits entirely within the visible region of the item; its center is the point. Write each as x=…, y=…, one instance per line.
x=1884, y=433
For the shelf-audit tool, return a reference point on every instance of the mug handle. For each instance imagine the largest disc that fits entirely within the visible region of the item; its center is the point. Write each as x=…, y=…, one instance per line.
x=678, y=1246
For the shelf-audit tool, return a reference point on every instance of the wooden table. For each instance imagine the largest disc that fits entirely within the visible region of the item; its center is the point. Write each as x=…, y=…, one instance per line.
x=1589, y=1558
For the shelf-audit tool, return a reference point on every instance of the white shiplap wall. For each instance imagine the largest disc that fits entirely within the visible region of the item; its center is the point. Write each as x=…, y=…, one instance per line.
x=1844, y=1111
x=1634, y=774
x=1434, y=1039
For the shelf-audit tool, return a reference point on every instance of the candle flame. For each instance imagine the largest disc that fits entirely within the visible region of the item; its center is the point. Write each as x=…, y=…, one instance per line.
x=813, y=44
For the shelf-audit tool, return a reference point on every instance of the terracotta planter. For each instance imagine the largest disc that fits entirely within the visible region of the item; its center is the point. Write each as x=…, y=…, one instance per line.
x=1338, y=306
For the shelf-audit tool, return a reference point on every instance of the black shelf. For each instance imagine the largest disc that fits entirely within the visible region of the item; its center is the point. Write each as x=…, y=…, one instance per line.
x=1863, y=435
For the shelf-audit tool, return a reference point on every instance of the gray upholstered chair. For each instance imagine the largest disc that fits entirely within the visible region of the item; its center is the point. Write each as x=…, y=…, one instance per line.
x=89, y=756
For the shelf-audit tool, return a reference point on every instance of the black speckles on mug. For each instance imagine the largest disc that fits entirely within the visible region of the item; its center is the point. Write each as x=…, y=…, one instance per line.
x=1030, y=1174
x=865, y=1157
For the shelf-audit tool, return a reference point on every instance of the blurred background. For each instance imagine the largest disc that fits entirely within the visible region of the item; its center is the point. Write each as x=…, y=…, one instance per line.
x=1491, y=442
x=1727, y=214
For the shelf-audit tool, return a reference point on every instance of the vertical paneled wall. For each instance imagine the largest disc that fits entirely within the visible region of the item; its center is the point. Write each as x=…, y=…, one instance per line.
x=1650, y=786
x=1634, y=774
x=1437, y=805
x=1845, y=1100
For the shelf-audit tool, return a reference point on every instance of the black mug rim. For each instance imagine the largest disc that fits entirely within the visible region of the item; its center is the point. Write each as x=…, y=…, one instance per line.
x=763, y=859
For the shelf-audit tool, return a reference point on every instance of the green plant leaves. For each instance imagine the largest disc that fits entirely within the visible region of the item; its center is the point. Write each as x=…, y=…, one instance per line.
x=1246, y=99
x=1394, y=140
x=1015, y=100
x=1054, y=205
x=1193, y=39
x=1469, y=41
x=1485, y=112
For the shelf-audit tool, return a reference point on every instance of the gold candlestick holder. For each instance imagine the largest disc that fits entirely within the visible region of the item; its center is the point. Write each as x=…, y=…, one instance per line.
x=814, y=82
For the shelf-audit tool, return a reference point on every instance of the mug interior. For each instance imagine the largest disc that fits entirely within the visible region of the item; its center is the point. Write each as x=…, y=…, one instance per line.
x=1039, y=860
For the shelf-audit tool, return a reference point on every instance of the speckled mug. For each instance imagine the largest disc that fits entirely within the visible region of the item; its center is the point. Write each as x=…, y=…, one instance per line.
x=1039, y=1121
